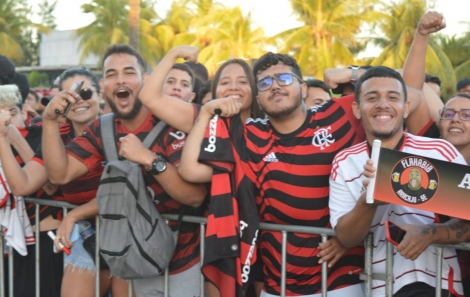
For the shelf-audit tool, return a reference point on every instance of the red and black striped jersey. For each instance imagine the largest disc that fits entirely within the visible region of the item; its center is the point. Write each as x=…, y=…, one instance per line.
x=88, y=149
x=291, y=172
x=232, y=223
x=33, y=136
x=82, y=189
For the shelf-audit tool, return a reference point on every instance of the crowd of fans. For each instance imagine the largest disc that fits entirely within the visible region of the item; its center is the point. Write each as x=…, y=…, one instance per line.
x=252, y=144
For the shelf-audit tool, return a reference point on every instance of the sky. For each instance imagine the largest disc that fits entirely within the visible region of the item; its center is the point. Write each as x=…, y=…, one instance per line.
x=265, y=13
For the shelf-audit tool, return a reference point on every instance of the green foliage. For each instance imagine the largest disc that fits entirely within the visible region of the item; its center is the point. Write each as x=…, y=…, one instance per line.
x=457, y=49
x=111, y=26
x=18, y=34
x=38, y=79
x=327, y=37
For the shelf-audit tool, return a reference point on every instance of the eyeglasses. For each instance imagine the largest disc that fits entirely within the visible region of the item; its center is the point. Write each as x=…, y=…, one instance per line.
x=449, y=113
x=86, y=94
x=282, y=79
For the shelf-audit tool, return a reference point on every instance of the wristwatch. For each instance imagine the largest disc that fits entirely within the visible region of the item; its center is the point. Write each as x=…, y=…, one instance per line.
x=355, y=72
x=158, y=166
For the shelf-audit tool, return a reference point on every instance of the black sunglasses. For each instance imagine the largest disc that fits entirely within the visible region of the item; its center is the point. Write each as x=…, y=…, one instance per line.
x=449, y=113
x=282, y=79
x=85, y=94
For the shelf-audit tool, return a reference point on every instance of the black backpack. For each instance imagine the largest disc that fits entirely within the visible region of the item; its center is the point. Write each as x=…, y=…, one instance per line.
x=135, y=240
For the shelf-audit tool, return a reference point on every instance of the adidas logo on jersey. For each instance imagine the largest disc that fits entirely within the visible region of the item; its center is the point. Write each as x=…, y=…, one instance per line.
x=270, y=158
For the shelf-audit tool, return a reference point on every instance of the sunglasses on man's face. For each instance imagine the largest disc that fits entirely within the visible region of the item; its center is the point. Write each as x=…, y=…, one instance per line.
x=449, y=113
x=86, y=94
x=282, y=79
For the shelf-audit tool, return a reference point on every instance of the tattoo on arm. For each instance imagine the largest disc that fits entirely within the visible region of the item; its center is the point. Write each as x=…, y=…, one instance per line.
x=425, y=230
x=459, y=227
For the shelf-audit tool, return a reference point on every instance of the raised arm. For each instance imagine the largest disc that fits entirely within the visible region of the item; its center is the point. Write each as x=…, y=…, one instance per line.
x=22, y=181
x=190, y=169
x=414, y=71
x=61, y=168
x=174, y=112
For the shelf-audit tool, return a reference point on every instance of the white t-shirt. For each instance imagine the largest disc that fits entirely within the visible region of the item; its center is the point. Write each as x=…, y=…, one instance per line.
x=345, y=189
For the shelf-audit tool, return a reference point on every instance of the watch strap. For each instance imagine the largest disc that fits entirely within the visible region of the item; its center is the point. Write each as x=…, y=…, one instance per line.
x=355, y=72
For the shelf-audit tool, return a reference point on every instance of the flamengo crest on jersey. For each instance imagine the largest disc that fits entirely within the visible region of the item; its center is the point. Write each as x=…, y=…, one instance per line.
x=323, y=138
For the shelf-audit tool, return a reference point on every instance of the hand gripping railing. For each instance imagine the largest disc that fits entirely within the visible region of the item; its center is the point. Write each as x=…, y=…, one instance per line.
x=367, y=274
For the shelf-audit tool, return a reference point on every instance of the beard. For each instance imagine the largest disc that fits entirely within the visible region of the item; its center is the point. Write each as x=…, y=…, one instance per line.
x=125, y=116
x=285, y=111
x=387, y=135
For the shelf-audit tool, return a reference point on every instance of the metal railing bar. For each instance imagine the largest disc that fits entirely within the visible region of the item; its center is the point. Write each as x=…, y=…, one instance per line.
x=10, y=271
x=37, y=258
x=97, y=257
x=2, y=266
x=283, y=263
x=389, y=270
x=324, y=272
x=202, y=231
x=367, y=276
x=439, y=253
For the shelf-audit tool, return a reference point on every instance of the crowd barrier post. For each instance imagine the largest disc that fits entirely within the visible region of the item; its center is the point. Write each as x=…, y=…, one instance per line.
x=37, y=258
x=366, y=276
x=2, y=267
x=202, y=232
x=283, y=263
x=439, y=253
x=10, y=271
x=324, y=272
x=97, y=257
x=389, y=269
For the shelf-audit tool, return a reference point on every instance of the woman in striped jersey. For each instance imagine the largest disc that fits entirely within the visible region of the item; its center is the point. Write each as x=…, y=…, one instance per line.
x=33, y=176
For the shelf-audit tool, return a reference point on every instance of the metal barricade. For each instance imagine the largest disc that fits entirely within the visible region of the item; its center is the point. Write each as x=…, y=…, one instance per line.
x=368, y=276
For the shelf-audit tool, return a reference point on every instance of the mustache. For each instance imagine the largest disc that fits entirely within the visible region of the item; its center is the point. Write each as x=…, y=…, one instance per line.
x=277, y=92
x=122, y=87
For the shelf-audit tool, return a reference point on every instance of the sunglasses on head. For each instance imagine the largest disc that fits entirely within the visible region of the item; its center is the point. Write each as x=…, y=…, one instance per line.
x=449, y=113
x=282, y=79
x=86, y=93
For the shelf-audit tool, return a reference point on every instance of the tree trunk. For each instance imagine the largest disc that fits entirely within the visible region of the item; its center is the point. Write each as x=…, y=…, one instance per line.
x=134, y=18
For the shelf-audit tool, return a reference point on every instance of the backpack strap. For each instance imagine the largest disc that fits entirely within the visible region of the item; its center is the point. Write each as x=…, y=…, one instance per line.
x=108, y=136
x=152, y=136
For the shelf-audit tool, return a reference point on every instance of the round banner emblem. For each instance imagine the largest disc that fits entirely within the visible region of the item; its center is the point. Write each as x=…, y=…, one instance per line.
x=414, y=180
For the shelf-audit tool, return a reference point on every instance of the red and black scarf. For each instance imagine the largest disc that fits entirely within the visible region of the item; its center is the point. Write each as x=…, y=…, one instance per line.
x=232, y=223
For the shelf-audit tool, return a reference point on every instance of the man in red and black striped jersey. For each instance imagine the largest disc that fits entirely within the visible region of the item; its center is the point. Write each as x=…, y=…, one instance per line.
x=290, y=156
x=17, y=145
x=123, y=77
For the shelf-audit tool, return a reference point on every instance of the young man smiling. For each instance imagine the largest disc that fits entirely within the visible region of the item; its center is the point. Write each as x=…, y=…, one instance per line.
x=381, y=104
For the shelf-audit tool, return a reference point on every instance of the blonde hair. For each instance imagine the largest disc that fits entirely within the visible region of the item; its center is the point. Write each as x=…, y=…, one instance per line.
x=10, y=96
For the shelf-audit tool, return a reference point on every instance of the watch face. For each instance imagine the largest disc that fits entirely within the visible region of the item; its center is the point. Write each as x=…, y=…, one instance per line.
x=160, y=166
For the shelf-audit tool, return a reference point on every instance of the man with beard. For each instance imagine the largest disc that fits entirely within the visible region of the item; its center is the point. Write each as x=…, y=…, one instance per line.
x=288, y=157
x=123, y=77
x=413, y=187
x=381, y=103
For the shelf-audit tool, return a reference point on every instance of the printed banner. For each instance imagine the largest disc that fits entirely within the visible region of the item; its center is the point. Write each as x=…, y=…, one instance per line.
x=423, y=183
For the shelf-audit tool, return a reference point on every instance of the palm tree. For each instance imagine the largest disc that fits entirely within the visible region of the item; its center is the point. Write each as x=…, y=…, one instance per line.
x=15, y=25
x=224, y=33
x=111, y=25
x=398, y=27
x=134, y=18
x=328, y=34
x=457, y=49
